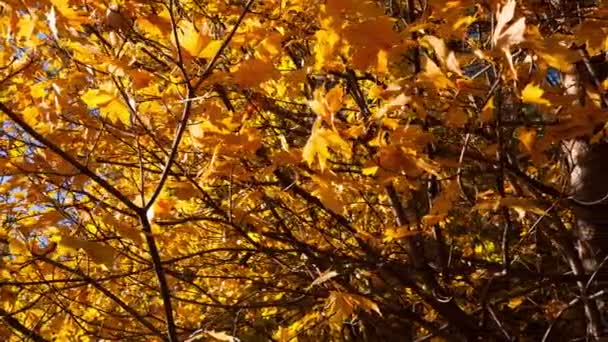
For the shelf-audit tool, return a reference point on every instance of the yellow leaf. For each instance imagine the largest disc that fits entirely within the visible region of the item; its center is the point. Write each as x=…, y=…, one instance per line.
x=17, y=247
x=527, y=137
x=464, y=21
x=319, y=143
x=396, y=233
x=519, y=204
x=327, y=43
x=39, y=90
x=149, y=28
x=326, y=105
x=270, y=46
x=375, y=92
x=211, y=49
x=522, y=205
x=515, y=302
x=368, y=305
x=341, y=306
x=191, y=39
x=326, y=192
x=26, y=26
x=382, y=66
x=487, y=113
x=434, y=75
x=315, y=148
x=290, y=333
x=551, y=50
x=96, y=97
x=443, y=203
x=117, y=111
x=109, y=105
x=533, y=94
x=369, y=171
x=124, y=229
x=354, y=132
x=157, y=25
x=336, y=143
x=99, y=253
x=375, y=33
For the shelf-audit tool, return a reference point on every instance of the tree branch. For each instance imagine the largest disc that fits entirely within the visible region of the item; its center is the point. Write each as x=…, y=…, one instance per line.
x=105, y=291
x=75, y=163
x=160, y=276
x=188, y=104
x=16, y=325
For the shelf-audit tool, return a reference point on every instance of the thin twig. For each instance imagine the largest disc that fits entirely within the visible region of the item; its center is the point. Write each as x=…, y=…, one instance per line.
x=105, y=291
x=18, y=326
x=65, y=156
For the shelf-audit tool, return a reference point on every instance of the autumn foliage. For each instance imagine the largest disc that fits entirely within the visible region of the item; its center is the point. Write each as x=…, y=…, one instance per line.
x=297, y=170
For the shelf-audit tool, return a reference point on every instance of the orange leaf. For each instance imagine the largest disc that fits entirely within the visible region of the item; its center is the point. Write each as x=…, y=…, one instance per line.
x=252, y=72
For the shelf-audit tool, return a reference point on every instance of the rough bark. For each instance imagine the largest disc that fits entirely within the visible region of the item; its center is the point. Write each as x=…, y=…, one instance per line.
x=587, y=171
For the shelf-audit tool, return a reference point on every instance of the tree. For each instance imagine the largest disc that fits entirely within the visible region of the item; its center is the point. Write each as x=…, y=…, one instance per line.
x=302, y=170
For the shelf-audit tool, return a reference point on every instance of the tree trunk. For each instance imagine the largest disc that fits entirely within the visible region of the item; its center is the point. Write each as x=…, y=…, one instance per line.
x=588, y=171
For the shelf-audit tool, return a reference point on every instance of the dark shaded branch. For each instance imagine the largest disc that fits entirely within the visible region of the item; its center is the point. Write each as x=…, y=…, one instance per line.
x=16, y=325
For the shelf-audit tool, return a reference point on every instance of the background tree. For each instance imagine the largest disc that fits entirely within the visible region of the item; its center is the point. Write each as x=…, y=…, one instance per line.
x=302, y=170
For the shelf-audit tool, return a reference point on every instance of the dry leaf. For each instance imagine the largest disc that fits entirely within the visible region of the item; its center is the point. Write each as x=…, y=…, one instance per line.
x=504, y=37
x=325, y=276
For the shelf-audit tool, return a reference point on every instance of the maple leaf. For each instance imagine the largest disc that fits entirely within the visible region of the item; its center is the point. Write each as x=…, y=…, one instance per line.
x=505, y=37
x=110, y=105
x=319, y=143
x=328, y=194
x=191, y=39
x=252, y=72
x=527, y=138
x=433, y=74
x=326, y=105
x=99, y=253
x=533, y=94
x=446, y=58
x=341, y=306
x=327, y=43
